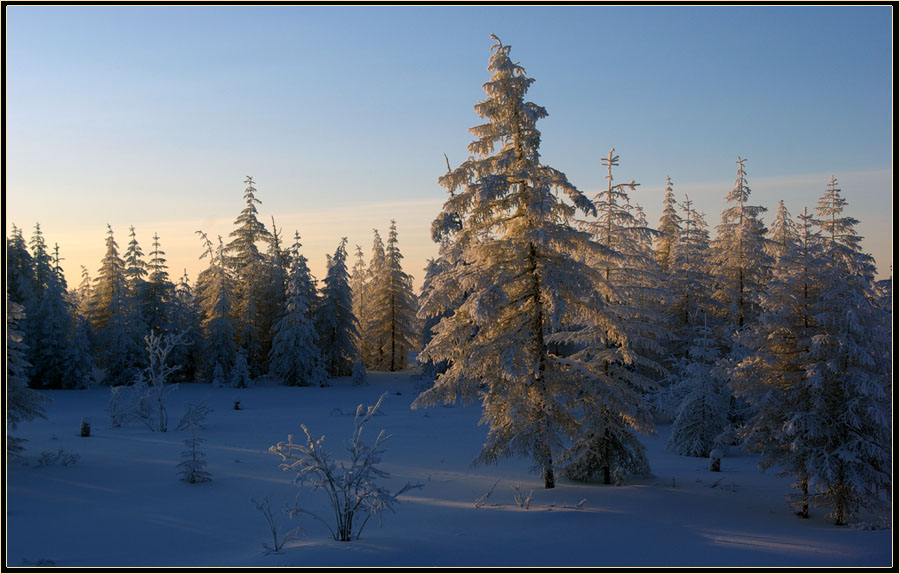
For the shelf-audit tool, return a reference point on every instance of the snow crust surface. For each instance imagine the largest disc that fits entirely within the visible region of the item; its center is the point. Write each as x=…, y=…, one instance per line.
x=122, y=504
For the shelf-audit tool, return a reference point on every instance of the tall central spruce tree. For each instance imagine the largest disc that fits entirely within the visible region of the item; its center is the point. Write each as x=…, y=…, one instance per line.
x=530, y=292
x=249, y=268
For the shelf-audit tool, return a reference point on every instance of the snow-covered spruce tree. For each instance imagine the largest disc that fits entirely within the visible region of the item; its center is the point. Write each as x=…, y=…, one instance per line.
x=529, y=291
x=431, y=311
x=337, y=327
x=774, y=375
x=277, y=268
x=308, y=283
x=19, y=269
x=82, y=295
x=240, y=374
x=884, y=294
x=135, y=272
x=783, y=235
x=669, y=227
x=249, y=268
x=702, y=410
x=184, y=317
x=115, y=320
x=392, y=309
x=22, y=403
x=218, y=376
x=689, y=279
x=371, y=347
x=215, y=293
x=295, y=357
x=634, y=298
x=135, y=268
x=359, y=377
x=739, y=262
x=158, y=291
x=359, y=281
x=55, y=361
x=850, y=368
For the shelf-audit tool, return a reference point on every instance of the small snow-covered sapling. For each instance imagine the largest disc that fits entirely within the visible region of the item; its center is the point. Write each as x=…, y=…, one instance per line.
x=715, y=460
x=192, y=468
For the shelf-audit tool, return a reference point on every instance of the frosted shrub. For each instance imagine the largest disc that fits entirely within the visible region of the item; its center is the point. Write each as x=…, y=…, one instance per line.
x=130, y=403
x=522, y=500
x=145, y=400
x=350, y=486
x=278, y=542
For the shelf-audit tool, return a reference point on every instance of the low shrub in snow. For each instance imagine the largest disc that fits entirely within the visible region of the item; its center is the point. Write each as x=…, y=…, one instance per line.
x=278, y=541
x=350, y=486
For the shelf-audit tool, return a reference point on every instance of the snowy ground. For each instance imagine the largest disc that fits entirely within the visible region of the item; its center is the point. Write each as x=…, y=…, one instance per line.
x=121, y=503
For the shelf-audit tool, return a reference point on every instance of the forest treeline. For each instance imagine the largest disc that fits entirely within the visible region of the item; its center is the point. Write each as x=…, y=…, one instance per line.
x=572, y=320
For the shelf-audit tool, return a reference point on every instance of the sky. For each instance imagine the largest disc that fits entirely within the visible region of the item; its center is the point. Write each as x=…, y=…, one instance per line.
x=153, y=116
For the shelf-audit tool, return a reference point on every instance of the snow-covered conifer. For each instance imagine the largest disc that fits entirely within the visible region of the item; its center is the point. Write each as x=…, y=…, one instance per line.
x=218, y=377
x=158, y=291
x=277, y=267
x=819, y=370
x=773, y=376
x=701, y=413
x=115, y=320
x=135, y=268
x=214, y=293
x=55, y=362
x=19, y=269
x=528, y=290
x=739, y=260
x=634, y=300
x=669, y=227
x=249, y=268
x=371, y=347
x=392, y=309
x=783, y=235
x=192, y=469
x=240, y=374
x=337, y=327
x=295, y=357
x=359, y=376
x=689, y=279
x=22, y=403
x=359, y=279
x=184, y=317
x=850, y=373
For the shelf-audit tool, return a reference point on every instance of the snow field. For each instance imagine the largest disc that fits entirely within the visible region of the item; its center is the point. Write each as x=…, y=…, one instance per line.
x=121, y=503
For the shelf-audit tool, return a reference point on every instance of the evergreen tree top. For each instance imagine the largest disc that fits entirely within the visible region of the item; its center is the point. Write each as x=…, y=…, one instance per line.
x=738, y=214
x=135, y=267
x=158, y=269
x=249, y=230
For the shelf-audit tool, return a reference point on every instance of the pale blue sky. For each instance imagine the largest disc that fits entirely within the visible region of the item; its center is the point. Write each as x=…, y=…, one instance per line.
x=153, y=115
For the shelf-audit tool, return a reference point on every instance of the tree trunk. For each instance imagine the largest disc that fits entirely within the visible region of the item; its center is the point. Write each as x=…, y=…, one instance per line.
x=549, y=480
x=804, y=499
